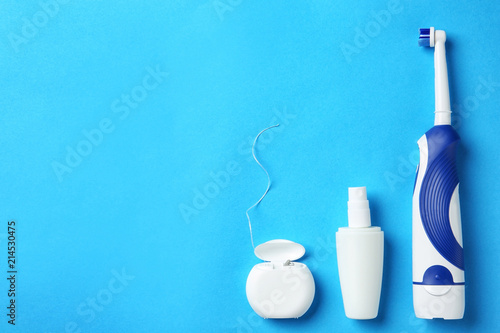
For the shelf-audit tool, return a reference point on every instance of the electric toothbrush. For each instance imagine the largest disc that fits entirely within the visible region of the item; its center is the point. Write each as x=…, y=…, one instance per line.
x=438, y=261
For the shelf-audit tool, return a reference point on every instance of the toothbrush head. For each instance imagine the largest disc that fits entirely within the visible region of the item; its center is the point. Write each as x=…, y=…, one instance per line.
x=426, y=37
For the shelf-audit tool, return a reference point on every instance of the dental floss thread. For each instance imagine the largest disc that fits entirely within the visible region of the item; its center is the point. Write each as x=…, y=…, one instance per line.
x=268, y=181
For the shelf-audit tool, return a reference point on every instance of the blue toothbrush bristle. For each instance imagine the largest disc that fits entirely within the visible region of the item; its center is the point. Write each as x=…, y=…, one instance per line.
x=424, y=38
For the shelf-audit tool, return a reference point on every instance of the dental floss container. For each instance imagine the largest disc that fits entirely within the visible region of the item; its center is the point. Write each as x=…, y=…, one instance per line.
x=280, y=287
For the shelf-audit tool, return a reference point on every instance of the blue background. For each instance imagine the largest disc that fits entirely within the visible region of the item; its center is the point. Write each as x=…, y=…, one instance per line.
x=132, y=205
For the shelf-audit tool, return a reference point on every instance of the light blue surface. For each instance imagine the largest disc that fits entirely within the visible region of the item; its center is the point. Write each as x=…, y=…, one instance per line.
x=350, y=109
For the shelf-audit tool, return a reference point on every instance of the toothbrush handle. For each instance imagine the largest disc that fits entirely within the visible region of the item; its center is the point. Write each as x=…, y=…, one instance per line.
x=438, y=185
x=438, y=264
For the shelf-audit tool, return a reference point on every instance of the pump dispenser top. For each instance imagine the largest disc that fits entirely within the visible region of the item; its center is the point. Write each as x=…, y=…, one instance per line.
x=358, y=208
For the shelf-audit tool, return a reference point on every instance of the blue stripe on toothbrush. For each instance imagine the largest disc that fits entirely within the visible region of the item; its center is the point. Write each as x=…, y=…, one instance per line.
x=438, y=185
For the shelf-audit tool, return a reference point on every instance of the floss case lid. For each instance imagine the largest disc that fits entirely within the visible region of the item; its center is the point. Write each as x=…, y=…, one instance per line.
x=279, y=250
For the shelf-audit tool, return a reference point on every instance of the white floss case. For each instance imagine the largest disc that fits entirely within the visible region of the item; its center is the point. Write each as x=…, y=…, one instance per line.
x=280, y=287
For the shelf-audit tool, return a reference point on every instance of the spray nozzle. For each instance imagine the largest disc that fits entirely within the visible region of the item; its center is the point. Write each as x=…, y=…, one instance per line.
x=358, y=208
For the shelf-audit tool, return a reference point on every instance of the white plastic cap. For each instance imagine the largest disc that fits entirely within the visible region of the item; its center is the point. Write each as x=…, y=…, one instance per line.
x=360, y=257
x=358, y=208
